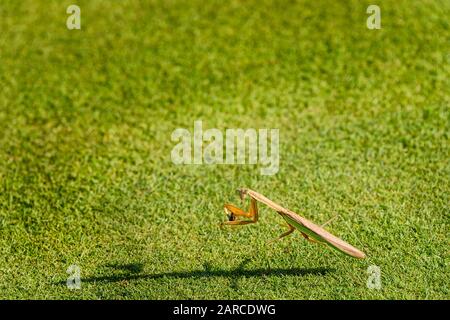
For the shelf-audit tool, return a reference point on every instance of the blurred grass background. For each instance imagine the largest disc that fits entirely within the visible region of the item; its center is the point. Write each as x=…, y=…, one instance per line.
x=86, y=176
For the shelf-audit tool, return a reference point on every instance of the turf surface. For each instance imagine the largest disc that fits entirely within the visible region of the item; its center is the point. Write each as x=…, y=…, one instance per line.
x=86, y=176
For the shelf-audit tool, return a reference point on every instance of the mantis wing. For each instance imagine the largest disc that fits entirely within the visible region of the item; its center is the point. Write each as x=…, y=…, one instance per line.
x=321, y=235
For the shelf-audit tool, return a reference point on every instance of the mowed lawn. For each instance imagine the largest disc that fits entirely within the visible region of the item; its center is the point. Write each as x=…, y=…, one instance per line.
x=86, y=176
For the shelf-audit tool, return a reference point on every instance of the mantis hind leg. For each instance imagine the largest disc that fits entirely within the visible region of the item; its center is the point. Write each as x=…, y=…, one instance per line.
x=309, y=238
x=323, y=225
x=331, y=220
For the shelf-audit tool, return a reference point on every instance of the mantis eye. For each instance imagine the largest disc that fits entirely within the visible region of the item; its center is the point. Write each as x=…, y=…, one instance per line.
x=241, y=194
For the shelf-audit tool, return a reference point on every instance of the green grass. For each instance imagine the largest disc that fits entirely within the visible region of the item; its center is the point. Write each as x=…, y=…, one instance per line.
x=86, y=176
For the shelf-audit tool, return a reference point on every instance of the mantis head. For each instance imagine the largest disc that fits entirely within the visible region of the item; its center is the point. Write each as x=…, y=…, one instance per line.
x=242, y=193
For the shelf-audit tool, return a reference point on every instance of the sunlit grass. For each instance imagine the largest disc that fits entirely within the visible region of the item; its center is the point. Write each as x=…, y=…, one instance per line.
x=86, y=176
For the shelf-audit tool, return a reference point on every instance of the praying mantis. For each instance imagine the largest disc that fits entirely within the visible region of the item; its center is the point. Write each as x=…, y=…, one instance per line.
x=309, y=230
